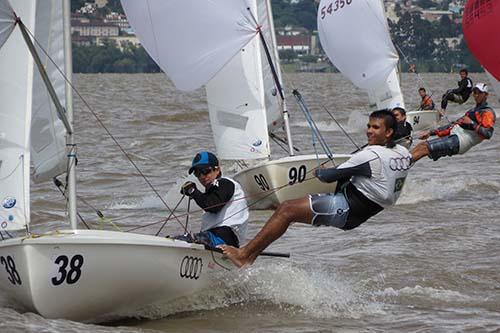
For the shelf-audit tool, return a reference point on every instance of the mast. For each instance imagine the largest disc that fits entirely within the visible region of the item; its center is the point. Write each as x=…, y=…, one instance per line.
x=70, y=142
x=276, y=77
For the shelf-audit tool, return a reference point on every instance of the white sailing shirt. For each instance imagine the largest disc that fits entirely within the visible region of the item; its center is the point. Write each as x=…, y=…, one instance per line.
x=234, y=214
x=389, y=167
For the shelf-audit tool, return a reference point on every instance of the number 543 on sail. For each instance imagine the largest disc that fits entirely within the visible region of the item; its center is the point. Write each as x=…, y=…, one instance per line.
x=333, y=7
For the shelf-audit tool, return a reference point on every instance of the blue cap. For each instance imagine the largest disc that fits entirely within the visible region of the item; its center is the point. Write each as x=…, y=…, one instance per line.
x=203, y=159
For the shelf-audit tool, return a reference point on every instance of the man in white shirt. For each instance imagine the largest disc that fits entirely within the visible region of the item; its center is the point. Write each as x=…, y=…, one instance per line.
x=369, y=181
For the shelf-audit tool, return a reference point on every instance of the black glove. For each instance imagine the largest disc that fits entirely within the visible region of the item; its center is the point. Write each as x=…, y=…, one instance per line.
x=318, y=173
x=188, y=188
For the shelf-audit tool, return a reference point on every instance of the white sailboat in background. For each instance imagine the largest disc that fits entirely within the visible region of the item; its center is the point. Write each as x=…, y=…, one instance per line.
x=365, y=54
x=85, y=275
x=219, y=47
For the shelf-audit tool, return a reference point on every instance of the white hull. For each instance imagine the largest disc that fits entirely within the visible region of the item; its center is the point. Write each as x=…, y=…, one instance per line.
x=85, y=275
x=273, y=182
x=422, y=120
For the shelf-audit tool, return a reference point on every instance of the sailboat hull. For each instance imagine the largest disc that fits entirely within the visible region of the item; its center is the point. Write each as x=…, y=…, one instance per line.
x=273, y=182
x=422, y=120
x=90, y=275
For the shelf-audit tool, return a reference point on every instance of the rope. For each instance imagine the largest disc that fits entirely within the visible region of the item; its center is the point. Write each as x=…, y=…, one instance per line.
x=342, y=128
x=168, y=218
x=103, y=126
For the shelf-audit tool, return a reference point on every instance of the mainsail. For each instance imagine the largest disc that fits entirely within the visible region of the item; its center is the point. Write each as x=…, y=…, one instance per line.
x=355, y=36
x=242, y=99
x=219, y=48
x=16, y=82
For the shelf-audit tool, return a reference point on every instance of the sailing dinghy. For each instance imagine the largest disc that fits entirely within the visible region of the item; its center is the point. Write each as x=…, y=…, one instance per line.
x=229, y=47
x=365, y=54
x=84, y=275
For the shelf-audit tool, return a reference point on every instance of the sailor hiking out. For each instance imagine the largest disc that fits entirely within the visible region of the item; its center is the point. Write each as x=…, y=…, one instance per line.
x=458, y=95
x=369, y=181
x=460, y=136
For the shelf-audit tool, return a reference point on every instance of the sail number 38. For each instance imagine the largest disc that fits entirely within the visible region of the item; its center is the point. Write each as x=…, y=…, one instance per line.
x=333, y=7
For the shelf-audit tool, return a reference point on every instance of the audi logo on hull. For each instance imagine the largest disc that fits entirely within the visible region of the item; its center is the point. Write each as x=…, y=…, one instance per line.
x=191, y=267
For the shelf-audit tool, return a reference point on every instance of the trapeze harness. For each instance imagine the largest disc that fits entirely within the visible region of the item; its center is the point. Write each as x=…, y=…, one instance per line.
x=369, y=181
x=457, y=137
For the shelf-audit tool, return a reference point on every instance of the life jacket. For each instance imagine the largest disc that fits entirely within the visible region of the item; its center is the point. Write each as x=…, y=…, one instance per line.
x=234, y=214
x=482, y=115
x=427, y=103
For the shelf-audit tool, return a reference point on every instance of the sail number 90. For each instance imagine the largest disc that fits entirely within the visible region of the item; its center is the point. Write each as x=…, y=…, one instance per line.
x=333, y=7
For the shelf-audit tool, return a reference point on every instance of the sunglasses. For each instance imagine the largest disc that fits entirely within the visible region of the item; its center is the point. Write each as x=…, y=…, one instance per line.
x=204, y=172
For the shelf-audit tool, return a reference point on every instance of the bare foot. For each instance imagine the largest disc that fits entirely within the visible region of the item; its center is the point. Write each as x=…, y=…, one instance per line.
x=236, y=256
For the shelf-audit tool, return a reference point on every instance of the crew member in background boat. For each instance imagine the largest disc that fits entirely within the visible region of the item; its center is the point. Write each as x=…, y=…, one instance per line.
x=226, y=212
x=369, y=181
x=426, y=103
x=459, y=95
x=461, y=135
x=403, y=128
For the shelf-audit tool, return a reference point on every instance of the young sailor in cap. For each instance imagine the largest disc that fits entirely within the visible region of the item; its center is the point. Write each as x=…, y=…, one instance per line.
x=226, y=212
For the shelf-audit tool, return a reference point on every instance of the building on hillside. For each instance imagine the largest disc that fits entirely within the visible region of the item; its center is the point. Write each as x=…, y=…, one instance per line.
x=120, y=20
x=390, y=12
x=93, y=28
x=298, y=40
x=435, y=15
x=101, y=3
x=120, y=41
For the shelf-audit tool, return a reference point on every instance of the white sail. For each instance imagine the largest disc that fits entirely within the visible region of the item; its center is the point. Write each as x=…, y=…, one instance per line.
x=48, y=144
x=235, y=98
x=354, y=35
x=16, y=81
x=387, y=94
x=242, y=98
x=6, y=21
x=191, y=40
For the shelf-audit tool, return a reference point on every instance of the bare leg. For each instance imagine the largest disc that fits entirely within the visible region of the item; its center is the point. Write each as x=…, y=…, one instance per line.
x=420, y=151
x=290, y=211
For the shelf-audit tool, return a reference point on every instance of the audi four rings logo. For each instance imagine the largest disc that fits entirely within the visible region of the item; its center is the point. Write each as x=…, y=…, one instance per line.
x=191, y=267
x=400, y=164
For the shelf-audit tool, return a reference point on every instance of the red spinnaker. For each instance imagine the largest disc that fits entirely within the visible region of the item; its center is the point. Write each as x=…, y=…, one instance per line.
x=481, y=26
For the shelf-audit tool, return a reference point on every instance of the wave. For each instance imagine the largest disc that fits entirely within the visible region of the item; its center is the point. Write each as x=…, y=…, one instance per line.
x=421, y=190
x=317, y=292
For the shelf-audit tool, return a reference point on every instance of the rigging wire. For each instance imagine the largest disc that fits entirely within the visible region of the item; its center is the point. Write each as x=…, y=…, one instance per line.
x=104, y=126
x=341, y=127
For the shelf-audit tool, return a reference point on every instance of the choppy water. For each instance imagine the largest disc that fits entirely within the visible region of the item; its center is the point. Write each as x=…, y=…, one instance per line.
x=431, y=263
